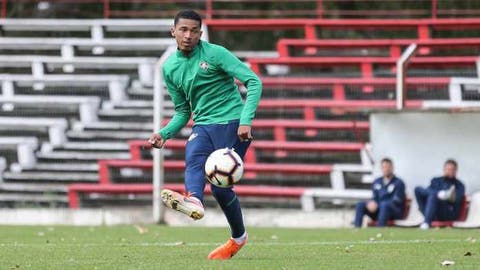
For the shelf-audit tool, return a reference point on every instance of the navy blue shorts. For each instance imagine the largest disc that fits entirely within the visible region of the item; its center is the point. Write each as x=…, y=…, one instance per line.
x=202, y=142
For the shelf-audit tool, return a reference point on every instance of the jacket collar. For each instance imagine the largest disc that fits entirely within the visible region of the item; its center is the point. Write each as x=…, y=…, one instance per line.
x=192, y=53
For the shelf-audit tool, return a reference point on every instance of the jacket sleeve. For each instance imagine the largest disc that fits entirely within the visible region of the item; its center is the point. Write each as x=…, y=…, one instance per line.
x=459, y=195
x=434, y=185
x=231, y=65
x=398, y=193
x=376, y=196
x=182, y=110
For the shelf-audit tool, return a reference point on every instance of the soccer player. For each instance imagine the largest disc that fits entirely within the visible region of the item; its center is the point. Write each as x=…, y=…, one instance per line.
x=200, y=80
x=388, y=198
x=442, y=200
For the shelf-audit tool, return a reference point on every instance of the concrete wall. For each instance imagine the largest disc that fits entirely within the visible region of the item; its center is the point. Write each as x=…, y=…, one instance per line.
x=420, y=142
x=290, y=218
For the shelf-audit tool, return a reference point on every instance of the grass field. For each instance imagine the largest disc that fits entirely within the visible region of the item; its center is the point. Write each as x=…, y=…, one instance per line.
x=160, y=247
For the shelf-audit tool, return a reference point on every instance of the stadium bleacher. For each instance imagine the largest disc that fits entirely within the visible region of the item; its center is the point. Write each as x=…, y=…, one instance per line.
x=352, y=90
x=86, y=129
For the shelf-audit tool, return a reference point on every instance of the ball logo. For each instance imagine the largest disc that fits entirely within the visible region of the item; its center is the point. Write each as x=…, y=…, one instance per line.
x=192, y=137
x=204, y=65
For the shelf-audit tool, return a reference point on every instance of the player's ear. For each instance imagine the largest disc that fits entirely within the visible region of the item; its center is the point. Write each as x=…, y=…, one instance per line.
x=172, y=31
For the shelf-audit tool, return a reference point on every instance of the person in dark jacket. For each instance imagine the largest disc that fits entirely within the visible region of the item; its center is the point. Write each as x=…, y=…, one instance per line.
x=388, y=198
x=442, y=200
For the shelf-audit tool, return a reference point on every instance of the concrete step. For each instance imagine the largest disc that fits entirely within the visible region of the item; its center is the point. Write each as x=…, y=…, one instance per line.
x=94, y=146
x=65, y=177
x=33, y=188
x=32, y=198
x=108, y=135
x=71, y=167
x=74, y=155
x=114, y=126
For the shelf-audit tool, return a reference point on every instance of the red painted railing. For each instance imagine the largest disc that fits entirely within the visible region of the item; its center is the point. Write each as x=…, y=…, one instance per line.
x=252, y=8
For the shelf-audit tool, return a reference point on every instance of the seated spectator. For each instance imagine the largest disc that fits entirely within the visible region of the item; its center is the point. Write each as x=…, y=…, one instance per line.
x=442, y=200
x=388, y=198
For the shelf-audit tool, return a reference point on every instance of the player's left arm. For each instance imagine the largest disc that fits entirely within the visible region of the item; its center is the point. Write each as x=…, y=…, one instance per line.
x=459, y=195
x=398, y=195
x=237, y=69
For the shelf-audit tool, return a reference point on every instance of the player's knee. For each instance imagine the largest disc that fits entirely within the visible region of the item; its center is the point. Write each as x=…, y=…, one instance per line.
x=241, y=148
x=419, y=191
x=361, y=206
x=219, y=191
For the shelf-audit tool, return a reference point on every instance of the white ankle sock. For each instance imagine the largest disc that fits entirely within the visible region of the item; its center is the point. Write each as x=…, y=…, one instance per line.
x=196, y=200
x=240, y=240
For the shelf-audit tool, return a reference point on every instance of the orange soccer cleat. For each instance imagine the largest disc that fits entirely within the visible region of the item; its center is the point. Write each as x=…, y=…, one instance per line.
x=227, y=250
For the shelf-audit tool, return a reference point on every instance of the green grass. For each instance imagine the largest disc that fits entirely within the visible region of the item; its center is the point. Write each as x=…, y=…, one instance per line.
x=123, y=247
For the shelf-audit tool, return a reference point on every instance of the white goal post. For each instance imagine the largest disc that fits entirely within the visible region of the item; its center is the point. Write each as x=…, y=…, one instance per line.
x=159, y=91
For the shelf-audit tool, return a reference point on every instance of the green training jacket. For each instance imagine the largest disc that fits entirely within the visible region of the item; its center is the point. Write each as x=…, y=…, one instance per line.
x=202, y=83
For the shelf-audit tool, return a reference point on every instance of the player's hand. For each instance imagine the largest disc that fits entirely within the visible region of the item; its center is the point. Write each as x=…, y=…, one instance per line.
x=372, y=206
x=245, y=133
x=156, y=140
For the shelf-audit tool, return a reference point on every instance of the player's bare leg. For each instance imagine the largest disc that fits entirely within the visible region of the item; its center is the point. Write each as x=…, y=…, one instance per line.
x=185, y=204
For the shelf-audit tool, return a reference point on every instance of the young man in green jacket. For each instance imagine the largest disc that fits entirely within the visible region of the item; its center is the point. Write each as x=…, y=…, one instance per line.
x=200, y=80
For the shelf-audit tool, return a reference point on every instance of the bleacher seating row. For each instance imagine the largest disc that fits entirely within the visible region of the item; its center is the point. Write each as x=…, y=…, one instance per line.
x=415, y=28
x=366, y=9
x=311, y=128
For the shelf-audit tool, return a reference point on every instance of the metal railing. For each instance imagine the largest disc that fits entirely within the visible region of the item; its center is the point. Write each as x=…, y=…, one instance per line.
x=240, y=8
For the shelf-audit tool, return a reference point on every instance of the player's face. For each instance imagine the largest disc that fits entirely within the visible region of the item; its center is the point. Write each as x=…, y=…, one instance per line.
x=449, y=170
x=387, y=169
x=187, y=33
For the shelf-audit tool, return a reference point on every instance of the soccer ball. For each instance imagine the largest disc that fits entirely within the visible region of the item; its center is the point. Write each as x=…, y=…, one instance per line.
x=224, y=168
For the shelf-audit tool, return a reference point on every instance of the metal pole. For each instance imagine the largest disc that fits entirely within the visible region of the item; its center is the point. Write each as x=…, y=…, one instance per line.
x=4, y=9
x=158, y=101
x=319, y=9
x=434, y=8
x=209, y=9
x=106, y=9
x=401, y=86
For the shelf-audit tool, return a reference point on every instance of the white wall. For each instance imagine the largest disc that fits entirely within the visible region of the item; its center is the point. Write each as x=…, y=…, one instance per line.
x=420, y=142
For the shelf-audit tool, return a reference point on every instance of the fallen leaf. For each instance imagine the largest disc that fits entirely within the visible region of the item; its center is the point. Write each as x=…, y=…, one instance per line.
x=471, y=239
x=141, y=229
x=447, y=263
